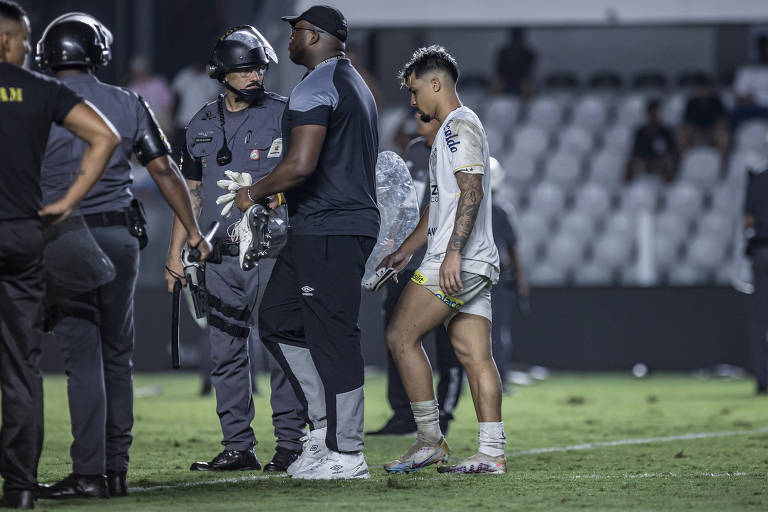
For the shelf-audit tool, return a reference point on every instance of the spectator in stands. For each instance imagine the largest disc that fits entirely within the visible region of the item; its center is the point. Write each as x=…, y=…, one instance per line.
x=704, y=119
x=154, y=89
x=654, y=151
x=751, y=87
x=192, y=87
x=515, y=63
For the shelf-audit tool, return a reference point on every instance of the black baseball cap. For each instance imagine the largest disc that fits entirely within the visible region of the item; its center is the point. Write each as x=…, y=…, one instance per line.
x=325, y=17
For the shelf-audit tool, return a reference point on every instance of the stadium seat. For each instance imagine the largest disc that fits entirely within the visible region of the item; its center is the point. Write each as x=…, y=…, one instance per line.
x=666, y=251
x=618, y=139
x=751, y=135
x=546, y=199
x=672, y=226
x=545, y=274
x=607, y=168
x=527, y=250
x=520, y=168
x=501, y=113
x=578, y=225
x=700, y=166
x=672, y=109
x=563, y=169
x=496, y=140
x=649, y=80
x=707, y=252
x=592, y=274
x=533, y=228
x=728, y=200
x=590, y=113
x=605, y=79
x=561, y=80
x=684, y=199
x=565, y=251
x=612, y=250
x=741, y=161
x=545, y=113
x=620, y=224
x=592, y=199
x=685, y=275
x=576, y=141
x=640, y=195
x=631, y=110
x=718, y=225
x=531, y=140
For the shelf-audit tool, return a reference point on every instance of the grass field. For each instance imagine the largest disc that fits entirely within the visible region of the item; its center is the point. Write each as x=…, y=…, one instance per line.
x=727, y=471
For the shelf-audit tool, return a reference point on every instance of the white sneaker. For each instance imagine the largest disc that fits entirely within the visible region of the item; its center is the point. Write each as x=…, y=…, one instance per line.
x=314, y=451
x=337, y=465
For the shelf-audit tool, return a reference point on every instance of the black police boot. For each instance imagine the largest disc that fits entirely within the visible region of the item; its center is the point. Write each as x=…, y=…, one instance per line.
x=230, y=460
x=396, y=426
x=116, y=483
x=75, y=486
x=24, y=500
x=282, y=459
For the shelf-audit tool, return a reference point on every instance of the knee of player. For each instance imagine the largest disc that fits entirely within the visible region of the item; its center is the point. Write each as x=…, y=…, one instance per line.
x=396, y=339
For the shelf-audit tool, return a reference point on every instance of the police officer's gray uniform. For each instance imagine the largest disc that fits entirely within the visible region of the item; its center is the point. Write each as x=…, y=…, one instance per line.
x=756, y=206
x=254, y=139
x=96, y=329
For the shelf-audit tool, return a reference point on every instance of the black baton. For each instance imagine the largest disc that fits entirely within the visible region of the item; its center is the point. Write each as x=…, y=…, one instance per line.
x=175, y=325
x=194, y=252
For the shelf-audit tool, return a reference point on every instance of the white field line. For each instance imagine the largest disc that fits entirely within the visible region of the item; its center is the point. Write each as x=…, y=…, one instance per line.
x=552, y=449
x=645, y=440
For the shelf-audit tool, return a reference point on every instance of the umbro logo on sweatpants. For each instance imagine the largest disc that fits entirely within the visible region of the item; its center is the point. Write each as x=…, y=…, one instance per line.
x=307, y=291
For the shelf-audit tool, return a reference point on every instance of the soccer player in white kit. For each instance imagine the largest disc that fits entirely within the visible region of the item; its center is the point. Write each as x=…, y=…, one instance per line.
x=453, y=284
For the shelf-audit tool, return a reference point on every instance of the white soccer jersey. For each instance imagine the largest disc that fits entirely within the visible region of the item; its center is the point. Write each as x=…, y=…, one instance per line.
x=460, y=146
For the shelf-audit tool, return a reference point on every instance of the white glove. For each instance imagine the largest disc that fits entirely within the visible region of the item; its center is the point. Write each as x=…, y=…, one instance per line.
x=236, y=181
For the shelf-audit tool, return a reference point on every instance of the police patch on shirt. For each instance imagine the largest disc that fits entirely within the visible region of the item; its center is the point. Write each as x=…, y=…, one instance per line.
x=255, y=155
x=276, y=149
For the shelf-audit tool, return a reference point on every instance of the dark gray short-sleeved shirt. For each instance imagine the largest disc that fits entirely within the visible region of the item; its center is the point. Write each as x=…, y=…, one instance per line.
x=253, y=137
x=339, y=198
x=130, y=117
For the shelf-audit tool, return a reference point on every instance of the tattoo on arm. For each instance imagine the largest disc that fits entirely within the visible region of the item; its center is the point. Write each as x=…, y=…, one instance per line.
x=471, y=186
x=196, y=195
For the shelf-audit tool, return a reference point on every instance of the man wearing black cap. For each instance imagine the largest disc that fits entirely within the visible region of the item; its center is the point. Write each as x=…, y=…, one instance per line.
x=308, y=318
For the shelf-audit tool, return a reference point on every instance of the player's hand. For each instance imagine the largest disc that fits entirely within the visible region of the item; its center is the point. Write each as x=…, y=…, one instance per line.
x=201, y=244
x=450, y=273
x=55, y=212
x=174, y=271
x=242, y=201
x=397, y=260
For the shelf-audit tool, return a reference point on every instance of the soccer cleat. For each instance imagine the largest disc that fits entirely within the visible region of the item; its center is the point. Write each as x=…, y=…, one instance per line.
x=337, y=466
x=378, y=279
x=419, y=456
x=479, y=463
x=313, y=451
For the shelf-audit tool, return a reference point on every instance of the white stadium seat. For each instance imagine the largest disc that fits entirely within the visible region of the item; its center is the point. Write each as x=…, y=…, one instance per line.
x=684, y=199
x=700, y=166
x=592, y=199
x=576, y=140
x=751, y=135
x=545, y=113
x=531, y=140
x=563, y=169
x=546, y=199
x=607, y=168
x=618, y=139
x=590, y=113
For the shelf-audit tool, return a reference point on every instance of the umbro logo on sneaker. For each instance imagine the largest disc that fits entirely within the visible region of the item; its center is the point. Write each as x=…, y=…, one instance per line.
x=307, y=291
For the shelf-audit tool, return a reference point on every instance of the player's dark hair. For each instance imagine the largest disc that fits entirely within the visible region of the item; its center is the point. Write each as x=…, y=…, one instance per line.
x=11, y=11
x=431, y=58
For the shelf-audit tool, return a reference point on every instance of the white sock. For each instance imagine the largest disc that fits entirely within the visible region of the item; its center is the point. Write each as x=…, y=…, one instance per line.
x=492, y=438
x=427, y=421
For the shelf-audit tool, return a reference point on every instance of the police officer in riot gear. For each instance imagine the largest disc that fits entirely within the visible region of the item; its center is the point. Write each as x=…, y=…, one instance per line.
x=236, y=135
x=96, y=329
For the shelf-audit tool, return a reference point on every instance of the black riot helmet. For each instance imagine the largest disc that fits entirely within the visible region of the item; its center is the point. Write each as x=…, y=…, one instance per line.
x=241, y=47
x=74, y=39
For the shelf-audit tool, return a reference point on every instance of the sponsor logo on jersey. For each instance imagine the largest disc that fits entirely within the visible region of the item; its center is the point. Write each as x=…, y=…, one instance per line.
x=419, y=278
x=450, y=138
x=255, y=156
x=11, y=94
x=431, y=231
x=434, y=195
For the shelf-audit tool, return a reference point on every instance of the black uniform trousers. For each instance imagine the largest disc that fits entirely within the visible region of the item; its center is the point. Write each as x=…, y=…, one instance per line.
x=308, y=321
x=449, y=369
x=759, y=317
x=21, y=384
x=96, y=335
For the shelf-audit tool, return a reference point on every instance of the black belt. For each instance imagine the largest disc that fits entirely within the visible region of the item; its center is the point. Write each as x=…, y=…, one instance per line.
x=105, y=219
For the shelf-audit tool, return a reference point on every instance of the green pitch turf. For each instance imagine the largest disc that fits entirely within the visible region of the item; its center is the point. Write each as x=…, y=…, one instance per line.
x=175, y=427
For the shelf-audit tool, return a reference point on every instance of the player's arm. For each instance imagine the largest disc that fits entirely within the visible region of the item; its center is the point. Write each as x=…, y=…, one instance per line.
x=468, y=168
x=174, y=267
x=298, y=165
x=87, y=123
